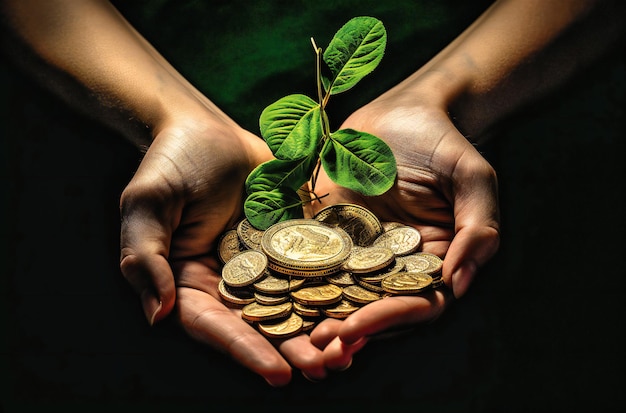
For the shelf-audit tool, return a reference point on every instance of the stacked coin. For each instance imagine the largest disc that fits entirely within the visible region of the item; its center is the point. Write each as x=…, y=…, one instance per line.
x=297, y=272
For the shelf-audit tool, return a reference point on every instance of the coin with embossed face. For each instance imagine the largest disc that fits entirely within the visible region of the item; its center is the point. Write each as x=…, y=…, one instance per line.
x=360, y=223
x=244, y=268
x=259, y=312
x=369, y=259
x=228, y=245
x=239, y=296
x=321, y=294
x=360, y=295
x=402, y=240
x=341, y=310
x=377, y=276
x=305, y=247
x=369, y=285
x=308, y=325
x=438, y=282
x=387, y=225
x=406, y=282
x=289, y=327
x=270, y=299
x=270, y=284
x=426, y=262
x=305, y=310
x=341, y=278
x=249, y=236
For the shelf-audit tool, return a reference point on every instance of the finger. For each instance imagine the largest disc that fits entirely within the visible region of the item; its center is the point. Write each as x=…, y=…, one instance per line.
x=144, y=247
x=302, y=354
x=325, y=332
x=471, y=248
x=209, y=321
x=338, y=355
x=391, y=313
x=151, y=277
x=476, y=215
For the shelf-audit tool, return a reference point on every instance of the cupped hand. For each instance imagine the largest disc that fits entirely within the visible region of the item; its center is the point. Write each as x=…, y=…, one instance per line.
x=445, y=189
x=186, y=191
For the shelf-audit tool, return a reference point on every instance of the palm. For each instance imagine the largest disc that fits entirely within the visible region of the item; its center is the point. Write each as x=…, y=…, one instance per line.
x=427, y=149
x=444, y=188
x=186, y=192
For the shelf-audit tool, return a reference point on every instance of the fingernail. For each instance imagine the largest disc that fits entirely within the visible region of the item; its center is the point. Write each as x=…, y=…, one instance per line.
x=462, y=278
x=276, y=383
x=270, y=383
x=312, y=380
x=158, y=309
x=346, y=367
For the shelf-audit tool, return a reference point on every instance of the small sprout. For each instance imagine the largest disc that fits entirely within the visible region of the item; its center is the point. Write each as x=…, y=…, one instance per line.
x=296, y=129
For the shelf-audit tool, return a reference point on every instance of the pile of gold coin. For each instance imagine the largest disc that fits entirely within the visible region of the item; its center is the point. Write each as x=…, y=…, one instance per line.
x=297, y=272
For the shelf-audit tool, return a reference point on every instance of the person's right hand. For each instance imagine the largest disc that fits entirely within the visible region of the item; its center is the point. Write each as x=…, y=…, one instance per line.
x=187, y=190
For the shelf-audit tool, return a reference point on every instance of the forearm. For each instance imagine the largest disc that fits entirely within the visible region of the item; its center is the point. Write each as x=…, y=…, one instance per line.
x=514, y=53
x=107, y=67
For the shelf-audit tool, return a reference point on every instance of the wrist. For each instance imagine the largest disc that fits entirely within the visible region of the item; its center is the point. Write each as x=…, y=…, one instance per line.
x=193, y=116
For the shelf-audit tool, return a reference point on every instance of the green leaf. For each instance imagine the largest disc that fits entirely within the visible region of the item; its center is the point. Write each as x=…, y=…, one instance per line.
x=355, y=50
x=359, y=161
x=291, y=126
x=326, y=83
x=278, y=173
x=265, y=208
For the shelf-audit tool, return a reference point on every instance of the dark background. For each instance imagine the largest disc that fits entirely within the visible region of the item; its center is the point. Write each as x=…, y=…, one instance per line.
x=541, y=330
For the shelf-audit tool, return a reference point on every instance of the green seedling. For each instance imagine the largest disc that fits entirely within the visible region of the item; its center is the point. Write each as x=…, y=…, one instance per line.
x=297, y=130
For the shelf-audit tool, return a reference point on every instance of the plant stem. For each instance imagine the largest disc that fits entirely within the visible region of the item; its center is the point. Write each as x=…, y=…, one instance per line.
x=316, y=172
x=323, y=100
x=318, y=72
x=317, y=198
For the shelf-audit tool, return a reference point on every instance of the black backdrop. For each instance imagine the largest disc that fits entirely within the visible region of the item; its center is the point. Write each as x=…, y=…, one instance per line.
x=541, y=329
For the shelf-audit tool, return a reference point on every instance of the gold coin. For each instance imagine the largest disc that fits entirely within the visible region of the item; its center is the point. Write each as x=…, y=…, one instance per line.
x=310, y=281
x=368, y=285
x=289, y=327
x=361, y=224
x=341, y=310
x=228, y=245
x=249, y=236
x=239, y=296
x=377, y=276
x=308, y=325
x=245, y=268
x=305, y=310
x=271, y=284
x=259, y=312
x=406, y=282
x=360, y=295
x=426, y=262
x=387, y=225
x=369, y=259
x=438, y=282
x=321, y=294
x=296, y=283
x=305, y=247
x=402, y=240
x=267, y=299
x=341, y=278
x=314, y=274
x=293, y=283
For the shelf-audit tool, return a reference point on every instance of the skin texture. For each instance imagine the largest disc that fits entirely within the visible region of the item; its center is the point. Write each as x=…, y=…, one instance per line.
x=184, y=192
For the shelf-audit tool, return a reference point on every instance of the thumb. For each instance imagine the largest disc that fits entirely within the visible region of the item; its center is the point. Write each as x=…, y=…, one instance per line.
x=151, y=277
x=477, y=225
x=472, y=247
x=145, y=237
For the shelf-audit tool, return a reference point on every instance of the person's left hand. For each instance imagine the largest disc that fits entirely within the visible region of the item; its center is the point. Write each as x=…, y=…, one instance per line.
x=446, y=190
